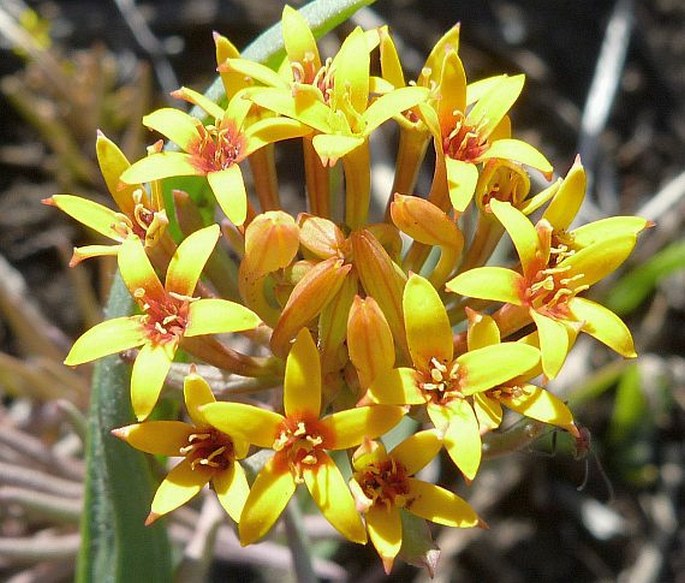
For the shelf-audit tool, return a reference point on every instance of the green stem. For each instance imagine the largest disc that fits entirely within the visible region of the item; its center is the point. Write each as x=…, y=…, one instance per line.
x=299, y=543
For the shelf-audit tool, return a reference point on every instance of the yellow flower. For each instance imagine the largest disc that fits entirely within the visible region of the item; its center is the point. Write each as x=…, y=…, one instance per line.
x=301, y=440
x=442, y=382
x=209, y=455
x=553, y=276
x=170, y=313
x=214, y=151
x=383, y=486
x=141, y=214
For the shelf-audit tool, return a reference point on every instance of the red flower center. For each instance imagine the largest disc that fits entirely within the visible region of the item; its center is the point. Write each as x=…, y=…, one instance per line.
x=301, y=442
x=165, y=319
x=218, y=148
x=464, y=142
x=384, y=482
x=209, y=449
x=441, y=383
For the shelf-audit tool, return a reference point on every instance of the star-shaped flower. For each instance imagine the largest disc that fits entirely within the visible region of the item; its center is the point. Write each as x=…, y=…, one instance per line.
x=170, y=313
x=209, y=456
x=301, y=440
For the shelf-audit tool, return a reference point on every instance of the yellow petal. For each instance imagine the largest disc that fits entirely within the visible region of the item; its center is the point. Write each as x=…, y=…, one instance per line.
x=93, y=215
x=391, y=67
x=418, y=450
x=137, y=271
x=161, y=165
x=439, y=505
x=216, y=316
x=539, y=404
x=351, y=65
x=490, y=366
x=488, y=411
x=269, y=495
x=302, y=384
x=273, y=129
x=599, y=260
x=189, y=260
x=332, y=147
x=396, y=387
x=250, y=69
x=489, y=283
x=108, y=337
x=305, y=107
x=448, y=42
x=175, y=124
x=392, y=104
x=228, y=187
x=482, y=330
x=156, y=437
x=604, y=325
x=300, y=44
x=385, y=531
x=113, y=164
x=452, y=90
x=334, y=499
x=522, y=233
x=369, y=340
x=554, y=344
x=494, y=104
x=477, y=89
x=196, y=393
x=566, y=202
x=461, y=436
x=256, y=425
x=232, y=489
x=429, y=334
x=519, y=151
x=608, y=228
x=350, y=426
x=178, y=487
x=147, y=377
x=462, y=178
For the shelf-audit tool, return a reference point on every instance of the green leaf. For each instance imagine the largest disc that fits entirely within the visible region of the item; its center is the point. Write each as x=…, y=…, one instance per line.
x=634, y=287
x=115, y=543
x=631, y=410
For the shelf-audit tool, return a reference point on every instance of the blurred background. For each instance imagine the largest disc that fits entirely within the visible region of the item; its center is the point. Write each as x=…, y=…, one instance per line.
x=604, y=78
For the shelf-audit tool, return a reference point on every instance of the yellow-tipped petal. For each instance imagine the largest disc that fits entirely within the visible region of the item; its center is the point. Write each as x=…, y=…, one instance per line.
x=439, y=505
x=161, y=165
x=385, y=531
x=599, y=260
x=272, y=240
x=156, y=437
x=137, y=271
x=228, y=187
x=273, y=129
x=604, y=325
x=462, y=178
x=461, y=435
x=93, y=215
x=488, y=411
x=350, y=426
x=519, y=151
x=452, y=90
x=396, y=387
x=392, y=104
x=331, y=148
x=489, y=283
x=89, y=251
x=391, y=67
x=147, y=377
x=260, y=73
x=566, y=202
x=429, y=334
x=225, y=49
x=482, y=330
x=300, y=44
x=196, y=393
x=489, y=110
x=231, y=489
x=333, y=497
x=191, y=96
x=608, y=228
x=418, y=450
x=269, y=495
x=216, y=316
x=189, y=260
x=182, y=484
x=490, y=366
x=522, y=233
x=554, y=344
x=108, y=337
x=351, y=81
x=539, y=404
x=256, y=425
x=113, y=164
x=448, y=42
x=477, y=89
x=369, y=340
x=175, y=124
x=305, y=106
x=302, y=384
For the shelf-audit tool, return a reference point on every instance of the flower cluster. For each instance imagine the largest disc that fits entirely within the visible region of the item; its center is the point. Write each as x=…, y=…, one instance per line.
x=363, y=324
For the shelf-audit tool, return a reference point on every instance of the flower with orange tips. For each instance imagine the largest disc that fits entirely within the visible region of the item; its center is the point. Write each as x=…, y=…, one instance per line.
x=442, y=382
x=209, y=456
x=301, y=440
x=169, y=313
x=384, y=487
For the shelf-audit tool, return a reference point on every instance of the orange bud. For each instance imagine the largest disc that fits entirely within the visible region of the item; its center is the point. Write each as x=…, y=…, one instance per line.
x=369, y=340
x=320, y=236
x=425, y=222
x=333, y=325
x=271, y=242
x=308, y=298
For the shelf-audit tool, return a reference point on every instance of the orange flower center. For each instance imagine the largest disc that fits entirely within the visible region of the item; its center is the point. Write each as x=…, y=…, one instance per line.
x=384, y=482
x=209, y=449
x=321, y=78
x=441, y=383
x=218, y=148
x=464, y=142
x=302, y=442
x=165, y=319
x=553, y=286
